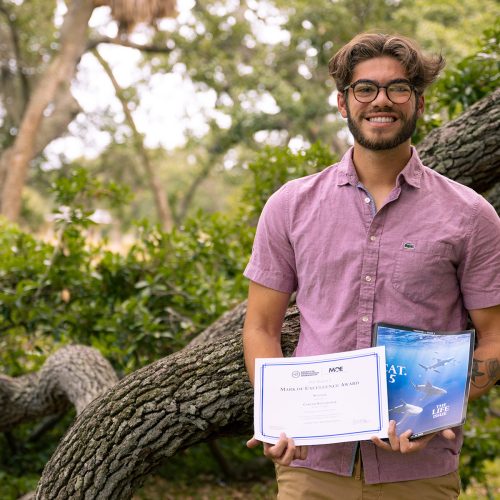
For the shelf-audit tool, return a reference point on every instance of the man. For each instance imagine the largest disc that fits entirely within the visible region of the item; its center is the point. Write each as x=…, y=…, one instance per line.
x=377, y=237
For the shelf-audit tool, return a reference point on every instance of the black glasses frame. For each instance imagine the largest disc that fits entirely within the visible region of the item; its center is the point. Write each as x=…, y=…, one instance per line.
x=392, y=82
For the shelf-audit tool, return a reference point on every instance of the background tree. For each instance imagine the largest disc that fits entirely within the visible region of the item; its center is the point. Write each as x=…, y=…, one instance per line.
x=263, y=62
x=56, y=78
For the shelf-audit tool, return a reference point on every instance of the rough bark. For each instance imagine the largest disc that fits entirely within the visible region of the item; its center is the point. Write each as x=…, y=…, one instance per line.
x=467, y=149
x=73, y=375
x=199, y=392
x=15, y=160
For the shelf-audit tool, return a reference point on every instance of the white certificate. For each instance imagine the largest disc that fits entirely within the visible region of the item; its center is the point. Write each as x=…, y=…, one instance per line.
x=330, y=398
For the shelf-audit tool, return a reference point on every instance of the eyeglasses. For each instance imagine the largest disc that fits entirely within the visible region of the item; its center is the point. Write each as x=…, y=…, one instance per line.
x=397, y=91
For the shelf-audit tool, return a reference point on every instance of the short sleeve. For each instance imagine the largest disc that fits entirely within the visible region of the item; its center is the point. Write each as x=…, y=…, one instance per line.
x=479, y=271
x=272, y=263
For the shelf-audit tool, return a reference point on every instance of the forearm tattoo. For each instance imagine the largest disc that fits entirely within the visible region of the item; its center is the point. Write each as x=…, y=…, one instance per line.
x=484, y=372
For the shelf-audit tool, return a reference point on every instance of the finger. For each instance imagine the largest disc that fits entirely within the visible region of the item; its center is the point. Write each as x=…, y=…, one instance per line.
x=381, y=444
x=448, y=434
x=393, y=437
x=300, y=453
x=277, y=450
x=408, y=446
x=289, y=454
x=252, y=443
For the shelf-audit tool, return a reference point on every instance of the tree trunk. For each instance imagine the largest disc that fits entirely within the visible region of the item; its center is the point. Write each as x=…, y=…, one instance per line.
x=15, y=160
x=202, y=391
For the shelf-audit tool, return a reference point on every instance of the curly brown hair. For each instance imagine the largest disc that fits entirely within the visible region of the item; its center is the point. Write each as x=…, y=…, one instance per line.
x=420, y=69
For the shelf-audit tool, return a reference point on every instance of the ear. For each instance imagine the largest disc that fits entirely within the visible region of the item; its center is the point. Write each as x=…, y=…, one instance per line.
x=420, y=105
x=342, y=104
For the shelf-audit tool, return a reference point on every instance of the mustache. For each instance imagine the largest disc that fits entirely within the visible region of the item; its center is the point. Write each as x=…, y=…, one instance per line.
x=384, y=109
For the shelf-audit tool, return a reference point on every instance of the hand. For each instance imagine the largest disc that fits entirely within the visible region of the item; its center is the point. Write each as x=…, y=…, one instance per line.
x=283, y=452
x=402, y=442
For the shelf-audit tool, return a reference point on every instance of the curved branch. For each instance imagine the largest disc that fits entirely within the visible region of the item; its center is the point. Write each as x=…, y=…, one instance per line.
x=73, y=375
x=156, y=49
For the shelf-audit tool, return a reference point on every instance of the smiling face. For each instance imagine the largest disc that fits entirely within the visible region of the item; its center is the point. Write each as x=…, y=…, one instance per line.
x=380, y=124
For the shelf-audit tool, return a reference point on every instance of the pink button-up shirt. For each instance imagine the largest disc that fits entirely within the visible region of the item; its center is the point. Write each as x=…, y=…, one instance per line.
x=428, y=255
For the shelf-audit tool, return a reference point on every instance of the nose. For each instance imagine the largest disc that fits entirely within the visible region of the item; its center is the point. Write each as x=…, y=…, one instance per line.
x=382, y=99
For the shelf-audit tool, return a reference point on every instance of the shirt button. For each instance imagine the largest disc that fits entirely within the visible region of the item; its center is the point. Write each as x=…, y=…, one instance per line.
x=368, y=278
x=365, y=319
x=367, y=200
x=373, y=238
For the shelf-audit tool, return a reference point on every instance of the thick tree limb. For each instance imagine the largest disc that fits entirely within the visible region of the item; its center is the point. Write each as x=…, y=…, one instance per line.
x=178, y=401
x=230, y=321
x=73, y=375
x=467, y=149
x=66, y=107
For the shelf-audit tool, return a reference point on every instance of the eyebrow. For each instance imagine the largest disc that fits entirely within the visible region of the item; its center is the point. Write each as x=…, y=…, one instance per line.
x=396, y=80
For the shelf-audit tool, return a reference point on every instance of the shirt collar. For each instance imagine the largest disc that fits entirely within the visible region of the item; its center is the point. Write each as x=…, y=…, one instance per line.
x=411, y=173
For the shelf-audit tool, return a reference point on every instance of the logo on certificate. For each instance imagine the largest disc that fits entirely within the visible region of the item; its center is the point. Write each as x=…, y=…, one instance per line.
x=304, y=373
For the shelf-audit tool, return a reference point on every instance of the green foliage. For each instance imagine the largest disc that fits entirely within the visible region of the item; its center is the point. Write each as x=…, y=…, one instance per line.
x=481, y=442
x=275, y=166
x=141, y=304
x=135, y=307
x=471, y=79
x=23, y=457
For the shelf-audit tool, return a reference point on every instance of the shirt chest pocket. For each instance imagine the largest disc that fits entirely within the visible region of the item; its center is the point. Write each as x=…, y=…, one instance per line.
x=423, y=269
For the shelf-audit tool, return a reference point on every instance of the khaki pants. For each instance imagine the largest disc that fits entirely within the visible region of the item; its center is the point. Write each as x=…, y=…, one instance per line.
x=297, y=483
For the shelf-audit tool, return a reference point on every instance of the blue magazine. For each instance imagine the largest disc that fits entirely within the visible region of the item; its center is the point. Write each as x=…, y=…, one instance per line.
x=428, y=376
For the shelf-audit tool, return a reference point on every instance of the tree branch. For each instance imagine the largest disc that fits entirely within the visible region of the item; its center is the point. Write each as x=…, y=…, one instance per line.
x=157, y=49
x=25, y=86
x=14, y=161
x=162, y=208
x=467, y=149
x=72, y=375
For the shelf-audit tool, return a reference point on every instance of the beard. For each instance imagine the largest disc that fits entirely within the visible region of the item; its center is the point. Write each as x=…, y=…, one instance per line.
x=379, y=144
